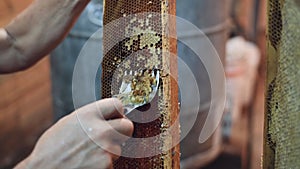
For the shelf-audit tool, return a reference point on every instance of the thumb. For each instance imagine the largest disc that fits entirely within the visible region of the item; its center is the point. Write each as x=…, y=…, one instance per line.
x=111, y=108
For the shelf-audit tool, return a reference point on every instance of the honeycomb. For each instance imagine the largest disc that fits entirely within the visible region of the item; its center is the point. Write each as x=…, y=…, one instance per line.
x=275, y=22
x=134, y=39
x=282, y=129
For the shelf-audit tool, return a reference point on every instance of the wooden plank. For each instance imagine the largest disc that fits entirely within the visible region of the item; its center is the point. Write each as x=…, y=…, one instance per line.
x=166, y=103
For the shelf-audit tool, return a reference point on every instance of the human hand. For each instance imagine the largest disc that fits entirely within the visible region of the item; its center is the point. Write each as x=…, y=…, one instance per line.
x=89, y=138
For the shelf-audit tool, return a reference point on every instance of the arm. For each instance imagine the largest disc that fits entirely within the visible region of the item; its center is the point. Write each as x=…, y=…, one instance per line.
x=36, y=31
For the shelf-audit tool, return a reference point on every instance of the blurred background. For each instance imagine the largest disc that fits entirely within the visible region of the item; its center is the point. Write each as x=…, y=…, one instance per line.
x=34, y=99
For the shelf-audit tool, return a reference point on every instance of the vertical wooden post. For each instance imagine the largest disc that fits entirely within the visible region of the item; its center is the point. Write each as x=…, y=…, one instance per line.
x=149, y=46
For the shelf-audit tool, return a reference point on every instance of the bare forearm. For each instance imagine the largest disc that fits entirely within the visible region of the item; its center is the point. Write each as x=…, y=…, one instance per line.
x=36, y=31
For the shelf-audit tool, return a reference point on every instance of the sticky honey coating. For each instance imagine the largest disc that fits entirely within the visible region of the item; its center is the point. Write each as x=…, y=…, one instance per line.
x=141, y=87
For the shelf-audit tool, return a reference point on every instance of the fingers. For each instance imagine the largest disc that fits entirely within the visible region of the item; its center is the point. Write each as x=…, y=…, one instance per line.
x=122, y=130
x=117, y=132
x=110, y=108
x=104, y=122
x=118, y=129
x=104, y=109
x=101, y=159
x=114, y=151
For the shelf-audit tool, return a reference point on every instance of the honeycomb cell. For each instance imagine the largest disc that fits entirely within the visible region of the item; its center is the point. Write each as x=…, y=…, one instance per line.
x=275, y=23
